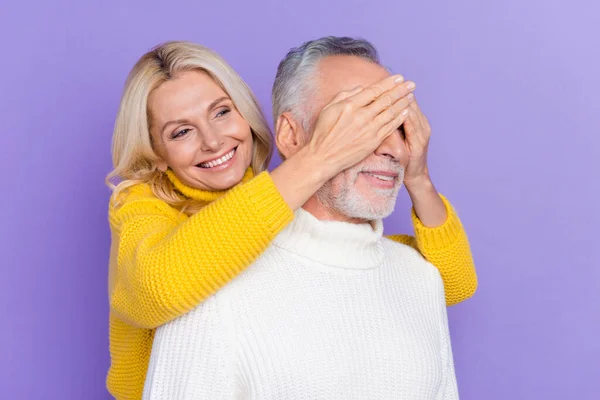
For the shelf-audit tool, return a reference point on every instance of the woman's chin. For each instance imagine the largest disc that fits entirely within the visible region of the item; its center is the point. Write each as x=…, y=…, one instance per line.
x=222, y=182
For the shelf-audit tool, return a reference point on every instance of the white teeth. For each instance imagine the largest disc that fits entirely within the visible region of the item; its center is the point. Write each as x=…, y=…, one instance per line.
x=382, y=177
x=219, y=161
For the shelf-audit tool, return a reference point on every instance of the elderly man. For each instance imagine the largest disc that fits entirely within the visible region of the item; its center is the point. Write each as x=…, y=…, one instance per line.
x=331, y=310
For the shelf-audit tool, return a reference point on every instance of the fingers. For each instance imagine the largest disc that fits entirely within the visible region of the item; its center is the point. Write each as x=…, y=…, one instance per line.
x=390, y=99
x=417, y=123
x=344, y=94
x=400, y=108
x=371, y=93
x=411, y=124
x=423, y=122
x=391, y=126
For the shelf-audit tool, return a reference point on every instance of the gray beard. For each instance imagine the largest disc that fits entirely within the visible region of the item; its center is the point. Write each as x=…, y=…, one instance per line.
x=351, y=203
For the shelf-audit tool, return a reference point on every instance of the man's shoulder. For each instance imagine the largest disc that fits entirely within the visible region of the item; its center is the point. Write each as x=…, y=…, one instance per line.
x=265, y=272
x=402, y=250
x=405, y=256
x=253, y=286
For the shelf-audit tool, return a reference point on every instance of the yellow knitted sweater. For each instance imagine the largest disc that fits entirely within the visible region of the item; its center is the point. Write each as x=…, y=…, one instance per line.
x=164, y=263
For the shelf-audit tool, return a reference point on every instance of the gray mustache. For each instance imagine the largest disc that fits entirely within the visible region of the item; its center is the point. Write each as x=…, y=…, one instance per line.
x=382, y=166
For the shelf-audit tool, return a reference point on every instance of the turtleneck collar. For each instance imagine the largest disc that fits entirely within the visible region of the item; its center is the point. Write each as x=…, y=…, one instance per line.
x=199, y=194
x=333, y=243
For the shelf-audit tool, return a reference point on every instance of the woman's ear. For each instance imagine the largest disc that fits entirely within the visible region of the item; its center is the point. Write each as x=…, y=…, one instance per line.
x=161, y=165
x=289, y=135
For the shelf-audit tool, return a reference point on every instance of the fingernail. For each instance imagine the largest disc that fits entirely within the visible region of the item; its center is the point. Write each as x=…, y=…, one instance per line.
x=399, y=79
x=410, y=85
x=410, y=96
x=405, y=112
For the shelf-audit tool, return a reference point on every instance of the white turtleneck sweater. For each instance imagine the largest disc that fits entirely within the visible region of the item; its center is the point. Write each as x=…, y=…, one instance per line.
x=330, y=311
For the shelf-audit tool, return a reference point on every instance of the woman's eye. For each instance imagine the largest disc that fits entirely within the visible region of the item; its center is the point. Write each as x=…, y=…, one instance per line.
x=181, y=133
x=223, y=112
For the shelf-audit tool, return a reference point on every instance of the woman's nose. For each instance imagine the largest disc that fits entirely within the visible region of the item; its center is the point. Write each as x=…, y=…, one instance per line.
x=211, y=141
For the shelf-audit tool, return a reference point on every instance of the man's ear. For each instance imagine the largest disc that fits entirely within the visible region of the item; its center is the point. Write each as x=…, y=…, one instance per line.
x=289, y=135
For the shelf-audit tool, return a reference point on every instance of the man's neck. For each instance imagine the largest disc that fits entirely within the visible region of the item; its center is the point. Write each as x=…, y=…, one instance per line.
x=321, y=212
x=331, y=240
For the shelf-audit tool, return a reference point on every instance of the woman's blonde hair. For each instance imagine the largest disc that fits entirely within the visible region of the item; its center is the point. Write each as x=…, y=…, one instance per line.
x=134, y=159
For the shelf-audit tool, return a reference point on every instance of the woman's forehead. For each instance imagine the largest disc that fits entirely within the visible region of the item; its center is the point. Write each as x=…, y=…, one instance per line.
x=191, y=90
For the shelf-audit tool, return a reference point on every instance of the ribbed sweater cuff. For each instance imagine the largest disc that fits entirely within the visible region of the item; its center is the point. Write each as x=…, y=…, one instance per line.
x=268, y=203
x=442, y=236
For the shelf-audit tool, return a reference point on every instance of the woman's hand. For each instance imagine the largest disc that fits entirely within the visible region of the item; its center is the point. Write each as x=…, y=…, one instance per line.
x=417, y=133
x=355, y=123
x=427, y=203
x=347, y=130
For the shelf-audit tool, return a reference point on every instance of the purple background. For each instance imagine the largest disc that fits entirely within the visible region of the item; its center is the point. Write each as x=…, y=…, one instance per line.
x=511, y=90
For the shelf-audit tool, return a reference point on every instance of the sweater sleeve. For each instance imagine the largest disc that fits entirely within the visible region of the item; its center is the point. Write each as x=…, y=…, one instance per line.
x=164, y=264
x=447, y=248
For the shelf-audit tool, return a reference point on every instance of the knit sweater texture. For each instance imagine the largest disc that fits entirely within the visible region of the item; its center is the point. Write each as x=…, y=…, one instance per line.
x=329, y=311
x=164, y=263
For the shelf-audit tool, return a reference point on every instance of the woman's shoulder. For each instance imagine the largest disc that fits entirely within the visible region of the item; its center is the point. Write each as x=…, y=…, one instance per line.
x=139, y=199
x=132, y=194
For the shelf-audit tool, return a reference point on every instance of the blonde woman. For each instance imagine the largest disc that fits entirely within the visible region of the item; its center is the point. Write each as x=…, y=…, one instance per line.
x=193, y=204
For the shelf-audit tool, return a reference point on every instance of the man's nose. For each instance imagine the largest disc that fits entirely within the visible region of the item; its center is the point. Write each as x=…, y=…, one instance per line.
x=392, y=147
x=212, y=141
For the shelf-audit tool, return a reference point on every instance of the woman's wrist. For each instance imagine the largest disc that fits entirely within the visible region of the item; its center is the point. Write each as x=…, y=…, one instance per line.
x=299, y=177
x=427, y=203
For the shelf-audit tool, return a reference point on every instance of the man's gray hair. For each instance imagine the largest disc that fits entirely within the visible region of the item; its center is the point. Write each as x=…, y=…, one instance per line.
x=294, y=83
